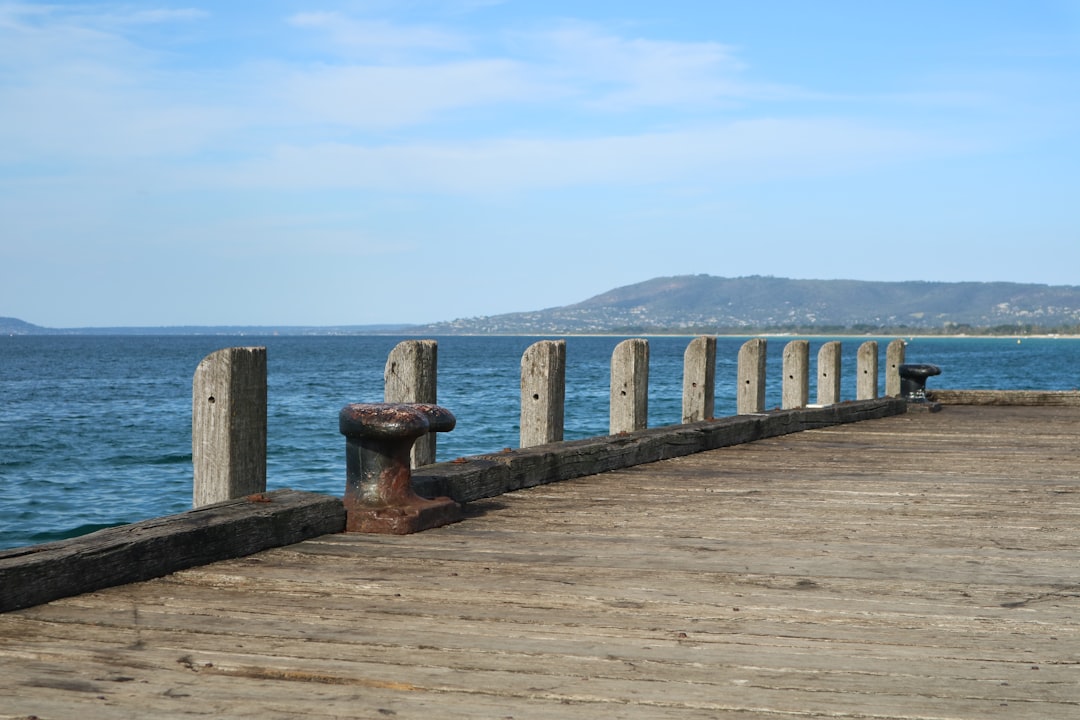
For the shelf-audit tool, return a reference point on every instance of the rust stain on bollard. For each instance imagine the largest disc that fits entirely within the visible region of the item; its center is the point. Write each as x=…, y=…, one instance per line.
x=379, y=497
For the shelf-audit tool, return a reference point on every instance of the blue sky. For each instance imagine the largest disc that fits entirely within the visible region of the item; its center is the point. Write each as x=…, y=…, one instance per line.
x=325, y=163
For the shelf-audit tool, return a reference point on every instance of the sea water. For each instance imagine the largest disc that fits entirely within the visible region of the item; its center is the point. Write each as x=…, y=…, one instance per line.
x=95, y=431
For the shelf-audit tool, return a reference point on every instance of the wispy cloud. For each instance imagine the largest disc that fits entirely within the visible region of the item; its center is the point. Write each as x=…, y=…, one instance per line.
x=364, y=96
x=621, y=73
x=739, y=152
x=402, y=106
x=378, y=39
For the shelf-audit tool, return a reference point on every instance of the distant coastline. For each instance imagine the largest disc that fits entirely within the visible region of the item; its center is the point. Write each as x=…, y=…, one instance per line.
x=11, y=327
x=708, y=305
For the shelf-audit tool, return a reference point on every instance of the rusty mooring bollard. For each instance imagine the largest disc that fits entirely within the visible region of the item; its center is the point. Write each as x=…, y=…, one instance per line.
x=378, y=487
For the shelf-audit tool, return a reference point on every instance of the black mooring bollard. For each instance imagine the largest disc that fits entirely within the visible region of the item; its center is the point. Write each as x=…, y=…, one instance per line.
x=379, y=497
x=913, y=381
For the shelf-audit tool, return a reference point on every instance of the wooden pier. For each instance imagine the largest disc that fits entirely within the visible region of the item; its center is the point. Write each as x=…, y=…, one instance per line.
x=924, y=565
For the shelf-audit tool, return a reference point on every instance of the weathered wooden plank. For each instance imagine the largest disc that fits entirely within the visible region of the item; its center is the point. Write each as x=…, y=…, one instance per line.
x=675, y=646
x=1041, y=398
x=152, y=548
x=483, y=476
x=159, y=546
x=750, y=390
x=921, y=566
x=673, y=656
x=828, y=373
x=795, y=387
x=866, y=370
x=543, y=392
x=895, y=353
x=629, y=398
x=228, y=425
x=411, y=376
x=699, y=379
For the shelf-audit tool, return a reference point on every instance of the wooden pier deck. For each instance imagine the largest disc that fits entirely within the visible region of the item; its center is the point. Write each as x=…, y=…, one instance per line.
x=919, y=566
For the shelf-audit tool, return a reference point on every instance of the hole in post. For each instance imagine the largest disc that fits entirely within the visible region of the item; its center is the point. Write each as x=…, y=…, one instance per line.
x=210, y=400
x=536, y=396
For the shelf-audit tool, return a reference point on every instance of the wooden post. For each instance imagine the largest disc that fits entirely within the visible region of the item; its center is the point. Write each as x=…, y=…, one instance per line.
x=795, y=391
x=828, y=373
x=543, y=392
x=699, y=379
x=629, y=408
x=228, y=425
x=894, y=358
x=411, y=377
x=750, y=395
x=866, y=387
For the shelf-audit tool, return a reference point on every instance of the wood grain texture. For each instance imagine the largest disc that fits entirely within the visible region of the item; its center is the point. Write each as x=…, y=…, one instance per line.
x=795, y=386
x=543, y=392
x=916, y=566
x=699, y=379
x=228, y=425
x=750, y=393
x=895, y=354
x=234, y=528
x=866, y=371
x=1066, y=398
x=628, y=408
x=411, y=375
x=481, y=476
x=156, y=547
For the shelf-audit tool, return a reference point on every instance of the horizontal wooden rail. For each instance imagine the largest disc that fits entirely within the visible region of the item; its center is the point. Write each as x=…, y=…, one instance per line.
x=1070, y=398
x=152, y=548
x=482, y=476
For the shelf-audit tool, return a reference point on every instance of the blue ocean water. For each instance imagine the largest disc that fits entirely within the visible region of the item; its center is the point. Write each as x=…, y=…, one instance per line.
x=96, y=430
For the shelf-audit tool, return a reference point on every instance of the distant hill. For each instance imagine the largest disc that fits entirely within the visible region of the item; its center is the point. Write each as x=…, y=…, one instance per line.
x=758, y=303
x=709, y=304
x=14, y=326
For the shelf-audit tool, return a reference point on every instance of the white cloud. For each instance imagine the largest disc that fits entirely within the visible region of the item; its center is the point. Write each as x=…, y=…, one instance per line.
x=748, y=151
x=75, y=93
x=159, y=15
x=625, y=73
x=378, y=39
x=372, y=96
x=74, y=86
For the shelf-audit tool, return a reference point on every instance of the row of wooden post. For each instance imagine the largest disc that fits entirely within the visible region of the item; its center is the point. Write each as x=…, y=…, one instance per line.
x=228, y=427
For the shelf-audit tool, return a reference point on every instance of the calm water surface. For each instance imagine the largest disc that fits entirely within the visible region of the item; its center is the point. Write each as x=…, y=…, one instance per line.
x=96, y=431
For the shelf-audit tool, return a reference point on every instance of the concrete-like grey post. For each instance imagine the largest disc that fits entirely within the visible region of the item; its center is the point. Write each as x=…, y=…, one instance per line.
x=795, y=391
x=699, y=379
x=828, y=373
x=228, y=425
x=894, y=358
x=629, y=409
x=750, y=394
x=543, y=392
x=866, y=386
x=411, y=376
